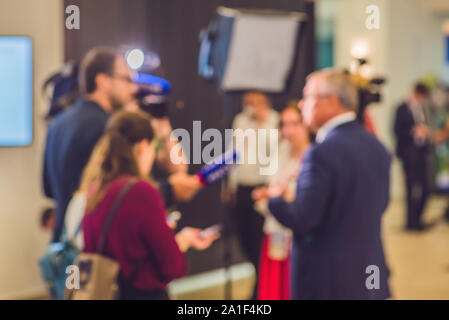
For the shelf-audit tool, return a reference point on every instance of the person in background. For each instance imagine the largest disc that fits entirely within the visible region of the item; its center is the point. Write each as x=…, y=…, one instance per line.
x=274, y=270
x=257, y=114
x=48, y=219
x=139, y=239
x=439, y=106
x=446, y=135
x=414, y=149
x=174, y=181
x=106, y=86
x=342, y=192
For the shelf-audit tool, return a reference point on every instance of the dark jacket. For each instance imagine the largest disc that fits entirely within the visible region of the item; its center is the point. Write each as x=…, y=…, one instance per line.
x=71, y=138
x=342, y=192
x=403, y=126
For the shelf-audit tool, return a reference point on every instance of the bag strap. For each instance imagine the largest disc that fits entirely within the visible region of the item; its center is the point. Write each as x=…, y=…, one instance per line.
x=112, y=213
x=77, y=231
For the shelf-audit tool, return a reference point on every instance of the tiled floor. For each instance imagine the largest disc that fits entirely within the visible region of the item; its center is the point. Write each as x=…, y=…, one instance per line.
x=419, y=261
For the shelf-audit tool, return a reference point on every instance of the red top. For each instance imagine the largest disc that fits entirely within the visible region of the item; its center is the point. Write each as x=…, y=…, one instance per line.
x=139, y=230
x=369, y=123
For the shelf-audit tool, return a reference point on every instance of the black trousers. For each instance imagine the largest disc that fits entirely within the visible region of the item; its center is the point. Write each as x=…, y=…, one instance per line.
x=249, y=228
x=417, y=168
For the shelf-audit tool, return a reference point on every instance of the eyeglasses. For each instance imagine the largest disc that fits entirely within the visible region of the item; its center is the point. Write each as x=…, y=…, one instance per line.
x=316, y=96
x=122, y=77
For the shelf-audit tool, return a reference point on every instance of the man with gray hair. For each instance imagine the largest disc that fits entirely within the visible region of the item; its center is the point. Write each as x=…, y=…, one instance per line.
x=342, y=192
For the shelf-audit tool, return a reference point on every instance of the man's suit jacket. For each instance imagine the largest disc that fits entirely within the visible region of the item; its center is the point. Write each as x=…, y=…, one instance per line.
x=403, y=126
x=342, y=192
x=71, y=138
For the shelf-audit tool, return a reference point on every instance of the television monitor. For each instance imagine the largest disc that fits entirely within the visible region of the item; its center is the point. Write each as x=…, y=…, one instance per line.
x=16, y=91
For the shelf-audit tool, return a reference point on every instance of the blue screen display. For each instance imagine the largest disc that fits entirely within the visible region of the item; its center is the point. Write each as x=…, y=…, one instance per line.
x=16, y=91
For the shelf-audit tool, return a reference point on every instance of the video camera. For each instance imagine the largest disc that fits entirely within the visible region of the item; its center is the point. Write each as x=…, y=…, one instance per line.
x=152, y=94
x=369, y=89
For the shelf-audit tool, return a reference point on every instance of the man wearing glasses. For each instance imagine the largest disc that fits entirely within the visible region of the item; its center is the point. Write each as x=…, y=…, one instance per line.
x=106, y=86
x=342, y=192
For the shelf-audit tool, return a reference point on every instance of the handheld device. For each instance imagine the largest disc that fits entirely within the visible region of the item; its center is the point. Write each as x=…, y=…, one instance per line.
x=215, y=229
x=174, y=217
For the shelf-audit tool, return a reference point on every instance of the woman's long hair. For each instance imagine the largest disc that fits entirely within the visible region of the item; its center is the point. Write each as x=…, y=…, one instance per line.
x=113, y=155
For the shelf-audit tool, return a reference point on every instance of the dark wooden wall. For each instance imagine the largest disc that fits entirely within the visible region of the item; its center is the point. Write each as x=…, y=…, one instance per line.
x=171, y=28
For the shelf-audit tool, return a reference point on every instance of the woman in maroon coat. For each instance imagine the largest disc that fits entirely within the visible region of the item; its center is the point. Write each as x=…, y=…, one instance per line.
x=139, y=239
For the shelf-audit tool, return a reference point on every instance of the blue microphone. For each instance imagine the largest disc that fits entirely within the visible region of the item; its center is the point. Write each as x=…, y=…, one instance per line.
x=218, y=168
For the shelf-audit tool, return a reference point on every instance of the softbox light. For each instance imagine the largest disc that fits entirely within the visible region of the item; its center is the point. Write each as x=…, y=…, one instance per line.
x=250, y=49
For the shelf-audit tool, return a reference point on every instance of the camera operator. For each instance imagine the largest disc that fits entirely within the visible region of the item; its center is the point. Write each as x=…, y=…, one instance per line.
x=175, y=184
x=106, y=86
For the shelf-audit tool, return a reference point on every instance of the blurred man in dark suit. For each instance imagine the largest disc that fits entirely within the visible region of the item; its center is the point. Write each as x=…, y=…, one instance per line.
x=413, y=148
x=342, y=192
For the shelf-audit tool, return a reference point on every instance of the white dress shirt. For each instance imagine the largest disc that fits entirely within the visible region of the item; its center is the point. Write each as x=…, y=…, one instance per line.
x=333, y=123
x=248, y=174
x=419, y=117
